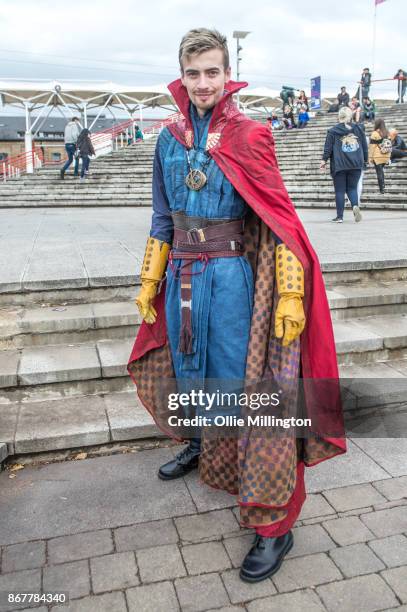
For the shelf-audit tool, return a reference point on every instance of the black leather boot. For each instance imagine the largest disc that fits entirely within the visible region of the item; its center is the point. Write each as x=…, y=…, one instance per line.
x=265, y=557
x=184, y=462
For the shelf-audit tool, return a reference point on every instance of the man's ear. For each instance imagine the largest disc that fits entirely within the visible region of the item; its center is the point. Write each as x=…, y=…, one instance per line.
x=228, y=74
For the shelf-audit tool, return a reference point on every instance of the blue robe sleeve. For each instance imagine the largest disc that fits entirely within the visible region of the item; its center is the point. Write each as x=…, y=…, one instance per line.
x=162, y=226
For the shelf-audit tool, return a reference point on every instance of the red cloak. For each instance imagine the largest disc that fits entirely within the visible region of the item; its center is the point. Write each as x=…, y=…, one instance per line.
x=244, y=151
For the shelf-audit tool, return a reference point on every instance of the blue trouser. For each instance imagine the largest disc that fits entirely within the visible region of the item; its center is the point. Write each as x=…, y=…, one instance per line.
x=346, y=181
x=70, y=148
x=222, y=298
x=85, y=164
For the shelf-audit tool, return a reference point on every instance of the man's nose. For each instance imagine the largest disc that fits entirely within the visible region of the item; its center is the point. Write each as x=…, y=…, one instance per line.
x=202, y=81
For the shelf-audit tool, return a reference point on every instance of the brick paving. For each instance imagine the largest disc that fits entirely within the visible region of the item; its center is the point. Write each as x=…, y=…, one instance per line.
x=352, y=556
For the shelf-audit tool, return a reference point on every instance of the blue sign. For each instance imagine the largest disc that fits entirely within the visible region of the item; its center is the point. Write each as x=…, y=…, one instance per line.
x=315, y=93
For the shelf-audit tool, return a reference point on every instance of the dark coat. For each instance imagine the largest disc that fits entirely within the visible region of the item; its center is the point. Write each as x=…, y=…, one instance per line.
x=343, y=99
x=349, y=154
x=84, y=144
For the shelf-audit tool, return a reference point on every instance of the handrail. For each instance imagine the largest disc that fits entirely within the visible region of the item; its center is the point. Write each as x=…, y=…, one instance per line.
x=13, y=167
x=395, y=78
x=104, y=141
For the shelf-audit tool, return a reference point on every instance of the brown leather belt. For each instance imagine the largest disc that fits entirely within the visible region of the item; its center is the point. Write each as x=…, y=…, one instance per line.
x=222, y=237
x=221, y=240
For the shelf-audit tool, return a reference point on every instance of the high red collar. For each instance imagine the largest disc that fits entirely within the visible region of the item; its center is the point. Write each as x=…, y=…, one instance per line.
x=180, y=95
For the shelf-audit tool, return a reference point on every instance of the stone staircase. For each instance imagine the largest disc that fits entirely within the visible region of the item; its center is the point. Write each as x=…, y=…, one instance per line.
x=299, y=154
x=63, y=356
x=64, y=344
x=123, y=178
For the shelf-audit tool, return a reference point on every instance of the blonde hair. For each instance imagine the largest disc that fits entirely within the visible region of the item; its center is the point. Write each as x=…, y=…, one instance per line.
x=200, y=40
x=345, y=115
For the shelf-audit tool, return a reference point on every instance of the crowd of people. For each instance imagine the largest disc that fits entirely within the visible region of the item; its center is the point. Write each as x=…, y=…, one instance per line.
x=347, y=148
x=362, y=106
x=350, y=154
x=293, y=108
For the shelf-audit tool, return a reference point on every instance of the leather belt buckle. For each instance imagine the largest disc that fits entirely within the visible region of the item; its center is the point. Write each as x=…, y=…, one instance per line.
x=195, y=235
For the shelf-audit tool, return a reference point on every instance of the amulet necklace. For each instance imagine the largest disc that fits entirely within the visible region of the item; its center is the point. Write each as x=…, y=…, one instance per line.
x=196, y=178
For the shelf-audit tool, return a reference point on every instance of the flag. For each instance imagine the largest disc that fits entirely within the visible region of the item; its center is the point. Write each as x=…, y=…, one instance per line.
x=379, y=2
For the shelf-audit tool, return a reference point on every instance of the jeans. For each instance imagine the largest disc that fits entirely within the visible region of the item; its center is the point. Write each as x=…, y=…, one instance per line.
x=346, y=181
x=398, y=154
x=70, y=148
x=302, y=124
x=85, y=164
x=403, y=91
x=368, y=115
x=380, y=175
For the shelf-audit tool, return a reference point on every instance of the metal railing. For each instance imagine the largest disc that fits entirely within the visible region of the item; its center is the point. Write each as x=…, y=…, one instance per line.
x=388, y=81
x=104, y=142
x=13, y=167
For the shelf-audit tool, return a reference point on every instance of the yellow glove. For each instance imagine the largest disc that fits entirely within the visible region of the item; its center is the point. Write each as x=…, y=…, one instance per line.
x=152, y=272
x=290, y=317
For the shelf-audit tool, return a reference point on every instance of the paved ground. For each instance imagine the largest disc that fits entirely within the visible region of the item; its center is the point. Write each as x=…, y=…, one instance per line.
x=116, y=538
x=81, y=247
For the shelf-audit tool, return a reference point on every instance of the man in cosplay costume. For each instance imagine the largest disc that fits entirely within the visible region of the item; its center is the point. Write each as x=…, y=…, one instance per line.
x=243, y=300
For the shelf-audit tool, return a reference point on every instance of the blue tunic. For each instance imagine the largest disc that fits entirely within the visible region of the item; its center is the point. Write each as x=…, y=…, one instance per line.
x=222, y=296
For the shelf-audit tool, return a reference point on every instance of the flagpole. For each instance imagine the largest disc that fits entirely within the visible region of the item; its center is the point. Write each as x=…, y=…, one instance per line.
x=374, y=39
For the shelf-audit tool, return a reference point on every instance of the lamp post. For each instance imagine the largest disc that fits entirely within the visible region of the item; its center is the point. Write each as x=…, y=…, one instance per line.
x=238, y=34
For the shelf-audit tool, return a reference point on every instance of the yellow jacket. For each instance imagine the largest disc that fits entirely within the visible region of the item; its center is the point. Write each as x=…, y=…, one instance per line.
x=375, y=154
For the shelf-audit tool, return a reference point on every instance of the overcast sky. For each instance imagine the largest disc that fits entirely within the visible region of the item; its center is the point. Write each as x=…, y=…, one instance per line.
x=136, y=43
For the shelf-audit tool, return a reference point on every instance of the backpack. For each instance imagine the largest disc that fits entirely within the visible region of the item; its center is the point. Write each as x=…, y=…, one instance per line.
x=386, y=146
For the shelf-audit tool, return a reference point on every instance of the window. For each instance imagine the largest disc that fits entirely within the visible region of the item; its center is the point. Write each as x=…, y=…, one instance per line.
x=3, y=156
x=56, y=156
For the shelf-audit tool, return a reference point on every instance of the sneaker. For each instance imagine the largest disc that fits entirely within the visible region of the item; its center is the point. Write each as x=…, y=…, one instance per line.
x=382, y=190
x=337, y=220
x=61, y=174
x=357, y=214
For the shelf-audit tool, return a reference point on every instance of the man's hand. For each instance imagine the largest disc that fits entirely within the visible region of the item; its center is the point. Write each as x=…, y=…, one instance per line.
x=144, y=301
x=290, y=318
x=152, y=271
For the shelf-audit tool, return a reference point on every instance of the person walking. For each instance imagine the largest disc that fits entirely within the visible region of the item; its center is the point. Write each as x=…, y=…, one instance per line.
x=346, y=148
x=86, y=149
x=231, y=308
x=72, y=131
x=380, y=148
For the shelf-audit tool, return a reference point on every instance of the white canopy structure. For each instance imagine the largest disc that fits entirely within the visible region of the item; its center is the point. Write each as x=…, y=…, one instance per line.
x=261, y=99
x=79, y=97
x=40, y=98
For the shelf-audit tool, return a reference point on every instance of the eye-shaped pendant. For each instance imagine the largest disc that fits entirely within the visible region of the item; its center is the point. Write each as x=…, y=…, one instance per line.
x=195, y=180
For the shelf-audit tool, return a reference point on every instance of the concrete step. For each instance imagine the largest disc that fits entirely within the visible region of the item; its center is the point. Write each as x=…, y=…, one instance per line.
x=358, y=341
x=83, y=421
x=53, y=291
x=354, y=301
x=370, y=339
x=22, y=327
x=73, y=422
x=67, y=324
x=65, y=369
